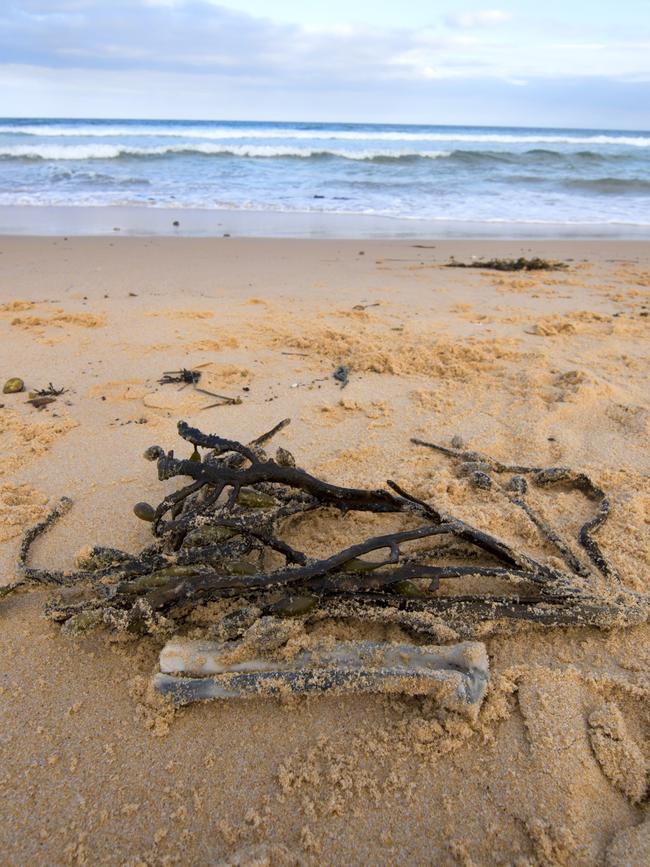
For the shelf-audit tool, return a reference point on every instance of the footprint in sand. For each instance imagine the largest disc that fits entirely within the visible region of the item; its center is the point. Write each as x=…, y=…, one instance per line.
x=619, y=757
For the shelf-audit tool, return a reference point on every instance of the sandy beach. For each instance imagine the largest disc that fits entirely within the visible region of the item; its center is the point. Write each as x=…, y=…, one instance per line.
x=547, y=369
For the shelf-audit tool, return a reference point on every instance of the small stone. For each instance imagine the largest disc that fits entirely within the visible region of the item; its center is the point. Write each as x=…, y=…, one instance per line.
x=144, y=511
x=457, y=442
x=13, y=385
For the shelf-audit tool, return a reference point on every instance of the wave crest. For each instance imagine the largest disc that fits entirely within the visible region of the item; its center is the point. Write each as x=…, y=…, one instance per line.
x=110, y=151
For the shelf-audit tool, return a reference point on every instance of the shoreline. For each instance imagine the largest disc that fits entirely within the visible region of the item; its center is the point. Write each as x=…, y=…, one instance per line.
x=111, y=221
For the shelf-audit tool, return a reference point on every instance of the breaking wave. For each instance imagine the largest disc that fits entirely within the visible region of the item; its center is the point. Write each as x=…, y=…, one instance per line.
x=100, y=151
x=222, y=133
x=110, y=151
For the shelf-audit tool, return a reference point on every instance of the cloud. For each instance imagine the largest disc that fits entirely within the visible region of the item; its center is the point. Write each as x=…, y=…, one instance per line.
x=185, y=38
x=486, y=17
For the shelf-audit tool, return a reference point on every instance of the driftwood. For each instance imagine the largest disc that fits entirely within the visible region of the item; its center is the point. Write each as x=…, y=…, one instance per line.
x=213, y=539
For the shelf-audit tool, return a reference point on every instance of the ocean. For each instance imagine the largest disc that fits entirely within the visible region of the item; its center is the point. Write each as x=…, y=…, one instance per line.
x=435, y=173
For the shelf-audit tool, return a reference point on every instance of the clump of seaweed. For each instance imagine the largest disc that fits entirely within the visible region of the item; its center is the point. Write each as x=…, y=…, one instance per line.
x=216, y=537
x=41, y=397
x=50, y=391
x=520, y=264
x=192, y=377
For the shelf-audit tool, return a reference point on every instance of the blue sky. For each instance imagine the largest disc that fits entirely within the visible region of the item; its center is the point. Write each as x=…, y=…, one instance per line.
x=547, y=63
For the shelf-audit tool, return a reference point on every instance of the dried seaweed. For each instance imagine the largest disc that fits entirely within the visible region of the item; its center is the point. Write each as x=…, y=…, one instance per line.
x=520, y=264
x=50, y=391
x=221, y=536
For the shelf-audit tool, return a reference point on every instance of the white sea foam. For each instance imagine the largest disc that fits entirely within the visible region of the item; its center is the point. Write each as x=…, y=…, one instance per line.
x=110, y=151
x=222, y=133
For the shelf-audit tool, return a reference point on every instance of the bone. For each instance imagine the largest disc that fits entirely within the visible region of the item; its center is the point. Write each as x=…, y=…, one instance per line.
x=457, y=674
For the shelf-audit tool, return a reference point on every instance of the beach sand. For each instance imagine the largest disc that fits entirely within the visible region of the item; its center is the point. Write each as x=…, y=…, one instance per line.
x=545, y=369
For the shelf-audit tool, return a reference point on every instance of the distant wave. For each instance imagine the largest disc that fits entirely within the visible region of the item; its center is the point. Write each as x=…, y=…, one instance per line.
x=224, y=133
x=101, y=151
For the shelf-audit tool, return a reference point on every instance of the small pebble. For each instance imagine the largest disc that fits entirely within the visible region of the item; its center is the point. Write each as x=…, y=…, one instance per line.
x=457, y=442
x=144, y=511
x=13, y=385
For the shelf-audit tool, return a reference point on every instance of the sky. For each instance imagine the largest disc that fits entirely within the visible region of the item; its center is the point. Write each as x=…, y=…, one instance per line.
x=577, y=63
